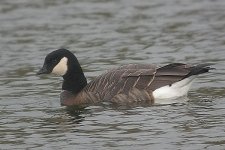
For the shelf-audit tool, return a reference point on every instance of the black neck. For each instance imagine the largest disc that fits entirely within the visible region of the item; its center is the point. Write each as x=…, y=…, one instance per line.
x=74, y=82
x=74, y=79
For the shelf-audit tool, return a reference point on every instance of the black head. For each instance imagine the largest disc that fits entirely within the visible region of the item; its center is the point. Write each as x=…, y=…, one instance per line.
x=62, y=62
x=59, y=62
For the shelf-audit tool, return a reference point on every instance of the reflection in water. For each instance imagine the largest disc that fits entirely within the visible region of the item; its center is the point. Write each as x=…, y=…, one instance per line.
x=105, y=34
x=76, y=113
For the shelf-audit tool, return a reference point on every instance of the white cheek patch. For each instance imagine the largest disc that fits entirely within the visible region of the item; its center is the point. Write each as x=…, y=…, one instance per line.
x=61, y=68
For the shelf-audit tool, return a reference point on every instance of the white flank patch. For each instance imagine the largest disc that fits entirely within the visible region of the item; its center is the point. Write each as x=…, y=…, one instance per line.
x=164, y=94
x=61, y=68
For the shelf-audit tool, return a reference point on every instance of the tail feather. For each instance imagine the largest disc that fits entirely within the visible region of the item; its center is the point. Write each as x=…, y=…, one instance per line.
x=199, y=69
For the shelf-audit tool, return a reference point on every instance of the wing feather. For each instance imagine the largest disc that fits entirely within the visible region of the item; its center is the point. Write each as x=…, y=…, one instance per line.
x=126, y=78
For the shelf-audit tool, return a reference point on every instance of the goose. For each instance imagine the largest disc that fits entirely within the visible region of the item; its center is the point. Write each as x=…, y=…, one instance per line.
x=132, y=83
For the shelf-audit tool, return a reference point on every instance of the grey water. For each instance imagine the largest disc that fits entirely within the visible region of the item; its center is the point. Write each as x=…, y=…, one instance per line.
x=105, y=34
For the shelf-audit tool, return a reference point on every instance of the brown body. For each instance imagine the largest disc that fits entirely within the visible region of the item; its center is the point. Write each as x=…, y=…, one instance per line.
x=127, y=84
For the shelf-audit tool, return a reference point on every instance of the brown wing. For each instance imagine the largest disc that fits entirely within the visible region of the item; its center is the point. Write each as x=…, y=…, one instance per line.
x=115, y=80
x=132, y=81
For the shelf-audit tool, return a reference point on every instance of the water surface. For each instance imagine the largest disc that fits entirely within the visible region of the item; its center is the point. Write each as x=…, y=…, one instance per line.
x=105, y=34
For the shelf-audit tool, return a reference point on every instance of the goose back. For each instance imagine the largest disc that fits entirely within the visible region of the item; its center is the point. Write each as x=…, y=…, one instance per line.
x=129, y=83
